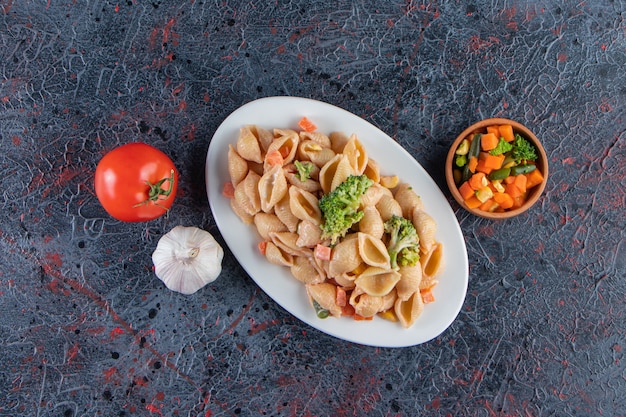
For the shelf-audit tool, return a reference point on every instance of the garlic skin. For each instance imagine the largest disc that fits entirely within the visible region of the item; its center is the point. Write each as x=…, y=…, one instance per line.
x=187, y=258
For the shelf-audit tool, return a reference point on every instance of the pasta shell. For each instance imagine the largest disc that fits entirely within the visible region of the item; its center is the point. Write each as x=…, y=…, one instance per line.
x=283, y=212
x=334, y=172
x=345, y=257
x=268, y=223
x=264, y=136
x=309, y=234
x=247, y=194
x=373, y=195
x=338, y=141
x=287, y=242
x=377, y=281
x=387, y=206
x=356, y=153
x=432, y=265
x=324, y=294
x=240, y=212
x=389, y=300
x=373, y=251
x=287, y=146
x=305, y=270
x=410, y=279
x=237, y=166
x=371, y=223
x=408, y=200
x=248, y=146
x=426, y=229
x=372, y=170
x=277, y=256
x=279, y=133
x=365, y=305
x=409, y=310
x=312, y=151
x=318, y=137
x=310, y=184
x=272, y=188
x=304, y=205
x=346, y=281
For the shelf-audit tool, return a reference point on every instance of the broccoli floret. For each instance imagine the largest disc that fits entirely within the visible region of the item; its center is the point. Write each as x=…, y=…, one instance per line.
x=403, y=245
x=523, y=150
x=340, y=207
x=502, y=147
x=304, y=170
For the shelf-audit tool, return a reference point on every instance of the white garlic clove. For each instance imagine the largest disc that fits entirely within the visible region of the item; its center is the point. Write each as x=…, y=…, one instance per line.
x=187, y=258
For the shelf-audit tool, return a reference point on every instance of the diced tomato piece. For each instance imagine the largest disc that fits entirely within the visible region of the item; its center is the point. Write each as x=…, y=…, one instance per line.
x=322, y=252
x=228, y=190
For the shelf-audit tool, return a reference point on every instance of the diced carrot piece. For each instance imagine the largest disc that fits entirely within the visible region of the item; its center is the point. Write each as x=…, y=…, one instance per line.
x=506, y=132
x=533, y=178
x=519, y=200
x=504, y=200
x=478, y=181
x=493, y=129
x=494, y=161
x=274, y=158
x=307, y=125
x=488, y=205
x=427, y=295
x=466, y=191
x=471, y=164
x=322, y=252
x=347, y=310
x=509, y=180
x=488, y=141
x=359, y=317
x=473, y=202
x=340, y=297
x=520, y=182
x=481, y=167
x=262, y=246
x=512, y=190
x=284, y=151
x=228, y=190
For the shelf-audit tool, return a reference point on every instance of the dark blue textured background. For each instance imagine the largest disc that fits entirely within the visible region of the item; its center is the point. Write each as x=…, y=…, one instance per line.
x=86, y=329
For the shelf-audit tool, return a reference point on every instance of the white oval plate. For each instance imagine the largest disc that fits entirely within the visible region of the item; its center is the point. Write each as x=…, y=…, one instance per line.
x=277, y=282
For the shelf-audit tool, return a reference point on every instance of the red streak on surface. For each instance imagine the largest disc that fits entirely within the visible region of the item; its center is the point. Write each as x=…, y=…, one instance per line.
x=72, y=353
x=239, y=317
x=116, y=332
x=108, y=373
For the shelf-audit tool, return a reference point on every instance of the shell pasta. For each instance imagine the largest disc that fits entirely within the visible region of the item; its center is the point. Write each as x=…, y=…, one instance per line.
x=279, y=177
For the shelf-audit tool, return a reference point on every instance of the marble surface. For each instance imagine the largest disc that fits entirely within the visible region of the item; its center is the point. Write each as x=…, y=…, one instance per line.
x=86, y=329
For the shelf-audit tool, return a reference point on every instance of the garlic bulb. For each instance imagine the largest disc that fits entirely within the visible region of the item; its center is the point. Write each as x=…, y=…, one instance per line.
x=187, y=258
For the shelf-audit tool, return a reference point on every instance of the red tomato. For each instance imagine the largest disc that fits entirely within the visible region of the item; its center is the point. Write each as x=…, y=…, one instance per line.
x=136, y=182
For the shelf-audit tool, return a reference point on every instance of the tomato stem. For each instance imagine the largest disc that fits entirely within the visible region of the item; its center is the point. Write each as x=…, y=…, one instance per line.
x=156, y=191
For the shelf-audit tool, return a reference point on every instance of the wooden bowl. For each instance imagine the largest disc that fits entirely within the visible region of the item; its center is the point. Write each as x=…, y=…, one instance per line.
x=533, y=194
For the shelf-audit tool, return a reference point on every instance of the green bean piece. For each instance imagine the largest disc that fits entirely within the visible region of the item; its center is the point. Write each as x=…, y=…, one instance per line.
x=321, y=312
x=474, y=151
x=500, y=174
x=523, y=169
